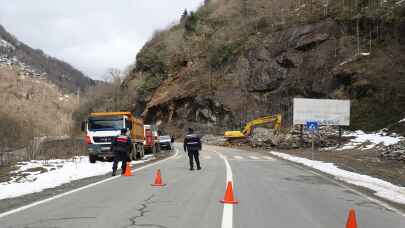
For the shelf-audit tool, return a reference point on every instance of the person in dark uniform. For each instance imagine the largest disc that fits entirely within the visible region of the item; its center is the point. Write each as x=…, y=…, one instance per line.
x=121, y=147
x=192, y=145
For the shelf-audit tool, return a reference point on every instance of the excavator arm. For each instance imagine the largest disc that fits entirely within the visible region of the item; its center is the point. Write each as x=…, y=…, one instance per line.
x=250, y=125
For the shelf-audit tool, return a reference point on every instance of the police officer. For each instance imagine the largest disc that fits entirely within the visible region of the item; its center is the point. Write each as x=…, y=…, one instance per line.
x=121, y=147
x=192, y=145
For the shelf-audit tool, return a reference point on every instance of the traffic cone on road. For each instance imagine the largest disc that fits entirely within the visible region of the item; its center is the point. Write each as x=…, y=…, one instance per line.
x=228, y=198
x=351, y=221
x=128, y=170
x=158, y=180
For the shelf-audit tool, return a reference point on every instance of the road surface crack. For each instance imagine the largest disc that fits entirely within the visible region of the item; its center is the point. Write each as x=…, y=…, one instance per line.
x=142, y=212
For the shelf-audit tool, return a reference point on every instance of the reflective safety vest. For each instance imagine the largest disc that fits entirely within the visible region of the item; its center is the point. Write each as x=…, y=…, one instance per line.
x=121, y=144
x=192, y=143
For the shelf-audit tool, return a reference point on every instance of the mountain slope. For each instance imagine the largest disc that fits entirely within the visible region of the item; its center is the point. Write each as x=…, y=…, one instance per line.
x=37, y=93
x=234, y=60
x=58, y=72
x=32, y=107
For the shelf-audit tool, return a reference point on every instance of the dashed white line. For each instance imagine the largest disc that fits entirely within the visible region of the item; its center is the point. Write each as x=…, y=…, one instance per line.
x=237, y=157
x=254, y=158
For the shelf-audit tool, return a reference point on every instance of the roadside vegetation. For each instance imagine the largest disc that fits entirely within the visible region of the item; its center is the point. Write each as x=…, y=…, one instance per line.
x=107, y=96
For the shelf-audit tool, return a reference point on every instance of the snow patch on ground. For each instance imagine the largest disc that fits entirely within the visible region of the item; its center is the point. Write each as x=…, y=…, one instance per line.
x=382, y=188
x=366, y=141
x=403, y=120
x=35, y=176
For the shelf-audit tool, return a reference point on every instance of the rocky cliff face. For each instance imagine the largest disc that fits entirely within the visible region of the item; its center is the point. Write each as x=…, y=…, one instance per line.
x=228, y=66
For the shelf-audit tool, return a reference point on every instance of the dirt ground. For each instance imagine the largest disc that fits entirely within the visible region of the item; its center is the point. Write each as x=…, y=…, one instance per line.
x=5, y=172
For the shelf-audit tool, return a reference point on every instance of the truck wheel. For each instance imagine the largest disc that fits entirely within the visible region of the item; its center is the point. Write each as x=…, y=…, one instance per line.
x=133, y=153
x=141, y=152
x=92, y=158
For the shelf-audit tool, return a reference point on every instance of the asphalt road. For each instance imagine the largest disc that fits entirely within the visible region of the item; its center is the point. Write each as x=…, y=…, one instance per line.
x=272, y=193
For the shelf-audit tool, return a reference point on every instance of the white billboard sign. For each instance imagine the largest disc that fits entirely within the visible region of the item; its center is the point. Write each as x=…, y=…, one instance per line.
x=323, y=111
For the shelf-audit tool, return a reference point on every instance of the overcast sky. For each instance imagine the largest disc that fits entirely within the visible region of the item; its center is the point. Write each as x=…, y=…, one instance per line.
x=92, y=35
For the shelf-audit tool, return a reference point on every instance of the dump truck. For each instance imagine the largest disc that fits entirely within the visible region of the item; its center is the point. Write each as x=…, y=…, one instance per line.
x=100, y=129
x=247, y=130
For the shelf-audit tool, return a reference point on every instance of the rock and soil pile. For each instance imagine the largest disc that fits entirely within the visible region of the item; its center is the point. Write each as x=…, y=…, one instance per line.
x=394, y=152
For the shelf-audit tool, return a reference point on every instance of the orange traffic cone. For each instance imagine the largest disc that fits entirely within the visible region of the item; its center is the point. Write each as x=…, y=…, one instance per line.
x=351, y=221
x=158, y=179
x=128, y=170
x=228, y=198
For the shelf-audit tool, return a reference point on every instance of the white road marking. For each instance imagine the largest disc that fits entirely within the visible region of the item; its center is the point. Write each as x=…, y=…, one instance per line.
x=269, y=158
x=227, y=215
x=372, y=199
x=254, y=157
x=80, y=189
x=177, y=155
x=238, y=157
x=229, y=176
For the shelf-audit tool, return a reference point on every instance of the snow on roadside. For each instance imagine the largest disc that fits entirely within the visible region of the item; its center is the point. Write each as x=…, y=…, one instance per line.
x=35, y=176
x=368, y=141
x=382, y=188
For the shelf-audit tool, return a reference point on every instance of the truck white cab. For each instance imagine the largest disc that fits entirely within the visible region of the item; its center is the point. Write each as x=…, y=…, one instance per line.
x=101, y=128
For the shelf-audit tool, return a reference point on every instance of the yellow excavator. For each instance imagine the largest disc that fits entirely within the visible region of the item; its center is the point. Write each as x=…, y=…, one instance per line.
x=229, y=135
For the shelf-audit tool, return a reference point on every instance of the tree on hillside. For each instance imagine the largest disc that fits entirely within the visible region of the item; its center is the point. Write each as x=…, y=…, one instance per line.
x=184, y=16
x=191, y=22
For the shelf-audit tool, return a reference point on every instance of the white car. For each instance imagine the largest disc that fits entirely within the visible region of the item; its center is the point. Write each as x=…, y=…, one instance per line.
x=165, y=142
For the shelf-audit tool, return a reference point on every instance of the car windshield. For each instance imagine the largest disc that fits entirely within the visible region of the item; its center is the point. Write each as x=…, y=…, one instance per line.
x=165, y=137
x=106, y=123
